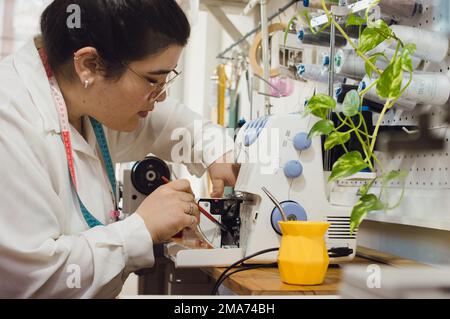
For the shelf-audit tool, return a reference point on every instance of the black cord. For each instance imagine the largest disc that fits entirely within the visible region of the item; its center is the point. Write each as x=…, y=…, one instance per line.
x=247, y=267
x=245, y=259
x=238, y=263
x=333, y=253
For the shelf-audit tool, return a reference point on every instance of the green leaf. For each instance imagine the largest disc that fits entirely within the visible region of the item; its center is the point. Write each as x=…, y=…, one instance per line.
x=365, y=205
x=387, y=178
x=323, y=127
x=390, y=84
x=351, y=103
x=336, y=138
x=407, y=52
x=374, y=59
x=374, y=35
x=355, y=20
x=347, y=165
x=320, y=105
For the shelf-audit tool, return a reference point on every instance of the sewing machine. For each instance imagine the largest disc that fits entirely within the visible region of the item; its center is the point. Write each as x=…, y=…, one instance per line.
x=275, y=154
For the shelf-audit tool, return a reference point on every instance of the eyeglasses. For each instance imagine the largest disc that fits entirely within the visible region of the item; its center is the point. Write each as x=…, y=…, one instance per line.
x=158, y=89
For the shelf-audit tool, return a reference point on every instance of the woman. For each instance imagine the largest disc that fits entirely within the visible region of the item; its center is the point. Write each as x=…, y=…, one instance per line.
x=69, y=101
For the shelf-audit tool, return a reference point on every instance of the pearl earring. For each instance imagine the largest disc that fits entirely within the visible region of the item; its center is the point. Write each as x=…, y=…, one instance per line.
x=86, y=84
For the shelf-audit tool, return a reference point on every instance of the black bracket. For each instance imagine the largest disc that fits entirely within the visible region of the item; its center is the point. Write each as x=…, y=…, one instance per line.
x=423, y=140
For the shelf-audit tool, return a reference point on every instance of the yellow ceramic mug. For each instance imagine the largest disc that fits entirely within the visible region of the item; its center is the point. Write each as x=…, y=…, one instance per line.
x=303, y=257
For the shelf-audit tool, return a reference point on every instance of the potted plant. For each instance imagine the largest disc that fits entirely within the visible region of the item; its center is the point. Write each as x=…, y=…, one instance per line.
x=390, y=86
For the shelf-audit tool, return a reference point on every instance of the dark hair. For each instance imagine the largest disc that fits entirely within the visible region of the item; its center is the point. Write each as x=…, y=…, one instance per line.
x=122, y=31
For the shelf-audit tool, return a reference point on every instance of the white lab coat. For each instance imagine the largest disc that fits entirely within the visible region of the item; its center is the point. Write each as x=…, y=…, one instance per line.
x=44, y=241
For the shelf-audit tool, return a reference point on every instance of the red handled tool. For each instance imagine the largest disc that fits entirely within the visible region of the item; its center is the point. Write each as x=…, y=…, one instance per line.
x=203, y=211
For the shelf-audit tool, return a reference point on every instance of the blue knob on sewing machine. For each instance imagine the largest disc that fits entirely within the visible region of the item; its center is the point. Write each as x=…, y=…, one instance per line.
x=294, y=212
x=302, y=142
x=293, y=169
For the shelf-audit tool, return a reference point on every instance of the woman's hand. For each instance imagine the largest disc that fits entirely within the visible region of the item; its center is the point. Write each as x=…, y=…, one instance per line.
x=166, y=211
x=223, y=173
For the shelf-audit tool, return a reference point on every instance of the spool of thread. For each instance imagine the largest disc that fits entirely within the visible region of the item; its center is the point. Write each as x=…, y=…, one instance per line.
x=425, y=88
x=349, y=64
x=401, y=8
x=352, y=30
x=315, y=73
x=431, y=46
x=416, y=61
x=372, y=96
x=305, y=36
x=312, y=72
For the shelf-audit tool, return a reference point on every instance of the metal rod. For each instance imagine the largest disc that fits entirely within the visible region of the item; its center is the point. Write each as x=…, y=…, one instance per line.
x=332, y=57
x=276, y=202
x=271, y=85
x=331, y=85
x=265, y=53
x=327, y=164
x=252, y=32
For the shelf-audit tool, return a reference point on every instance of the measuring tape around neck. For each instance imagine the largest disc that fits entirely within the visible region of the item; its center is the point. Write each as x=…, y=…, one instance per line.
x=65, y=136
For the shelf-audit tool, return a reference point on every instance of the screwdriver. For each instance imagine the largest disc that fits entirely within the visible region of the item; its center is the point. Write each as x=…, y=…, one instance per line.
x=203, y=211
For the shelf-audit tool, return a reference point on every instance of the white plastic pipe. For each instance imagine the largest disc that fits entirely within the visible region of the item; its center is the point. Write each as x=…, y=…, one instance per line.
x=431, y=46
x=425, y=88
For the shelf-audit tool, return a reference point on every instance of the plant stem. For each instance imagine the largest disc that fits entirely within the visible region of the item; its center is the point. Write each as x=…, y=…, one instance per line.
x=378, y=162
x=342, y=125
x=365, y=128
x=364, y=147
x=366, y=135
x=386, y=107
x=366, y=59
x=367, y=89
x=361, y=141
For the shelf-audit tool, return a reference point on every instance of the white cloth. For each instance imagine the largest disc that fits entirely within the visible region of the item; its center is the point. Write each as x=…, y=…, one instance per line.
x=44, y=240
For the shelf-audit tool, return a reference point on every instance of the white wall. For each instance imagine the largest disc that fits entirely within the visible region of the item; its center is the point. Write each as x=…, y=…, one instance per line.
x=25, y=23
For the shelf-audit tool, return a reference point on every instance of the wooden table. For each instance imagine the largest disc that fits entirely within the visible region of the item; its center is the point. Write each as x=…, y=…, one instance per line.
x=267, y=281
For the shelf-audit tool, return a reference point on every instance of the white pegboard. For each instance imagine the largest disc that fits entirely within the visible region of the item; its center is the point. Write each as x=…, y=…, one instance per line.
x=427, y=200
x=426, y=169
x=430, y=19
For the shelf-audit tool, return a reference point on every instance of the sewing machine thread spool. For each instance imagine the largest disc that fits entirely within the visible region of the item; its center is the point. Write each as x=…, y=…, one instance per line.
x=315, y=73
x=430, y=45
x=305, y=36
x=401, y=8
x=425, y=88
x=348, y=63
